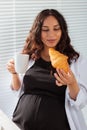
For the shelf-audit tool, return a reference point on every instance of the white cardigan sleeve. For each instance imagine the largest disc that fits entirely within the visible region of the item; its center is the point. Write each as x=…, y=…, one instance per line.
x=79, y=69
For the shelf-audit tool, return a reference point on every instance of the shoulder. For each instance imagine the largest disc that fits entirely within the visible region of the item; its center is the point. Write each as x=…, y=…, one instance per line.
x=82, y=63
x=79, y=66
x=82, y=60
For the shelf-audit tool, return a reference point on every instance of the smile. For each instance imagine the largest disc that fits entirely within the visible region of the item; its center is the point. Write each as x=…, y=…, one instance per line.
x=51, y=40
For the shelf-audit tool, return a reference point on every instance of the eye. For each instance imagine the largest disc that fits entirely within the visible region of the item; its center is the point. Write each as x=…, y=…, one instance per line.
x=45, y=30
x=56, y=29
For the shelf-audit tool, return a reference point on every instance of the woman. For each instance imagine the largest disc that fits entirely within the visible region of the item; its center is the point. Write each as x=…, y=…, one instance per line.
x=52, y=99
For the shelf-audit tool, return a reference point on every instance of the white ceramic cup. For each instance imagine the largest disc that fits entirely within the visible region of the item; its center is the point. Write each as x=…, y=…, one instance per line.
x=21, y=63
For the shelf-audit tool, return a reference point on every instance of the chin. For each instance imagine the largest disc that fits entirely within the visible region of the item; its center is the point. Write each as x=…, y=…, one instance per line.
x=52, y=46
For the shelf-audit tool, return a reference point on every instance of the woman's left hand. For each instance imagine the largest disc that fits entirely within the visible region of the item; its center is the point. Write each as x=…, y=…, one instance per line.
x=63, y=78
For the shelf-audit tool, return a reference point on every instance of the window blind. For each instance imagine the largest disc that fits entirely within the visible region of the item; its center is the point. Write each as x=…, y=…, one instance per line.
x=7, y=40
x=76, y=15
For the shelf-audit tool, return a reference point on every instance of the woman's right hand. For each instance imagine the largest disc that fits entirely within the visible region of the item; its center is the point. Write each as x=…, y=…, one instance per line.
x=11, y=66
x=15, y=83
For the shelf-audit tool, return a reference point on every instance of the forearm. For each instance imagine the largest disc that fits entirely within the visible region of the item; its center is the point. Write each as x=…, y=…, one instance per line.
x=73, y=90
x=15, y=83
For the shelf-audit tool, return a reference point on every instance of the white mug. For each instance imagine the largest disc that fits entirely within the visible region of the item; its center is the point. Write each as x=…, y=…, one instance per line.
x=21, y=62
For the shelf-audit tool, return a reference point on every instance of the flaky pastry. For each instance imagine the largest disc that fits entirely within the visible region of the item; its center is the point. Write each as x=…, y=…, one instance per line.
x=58, y=60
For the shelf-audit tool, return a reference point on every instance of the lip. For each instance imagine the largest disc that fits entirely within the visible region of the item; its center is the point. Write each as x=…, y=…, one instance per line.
x=51, y=40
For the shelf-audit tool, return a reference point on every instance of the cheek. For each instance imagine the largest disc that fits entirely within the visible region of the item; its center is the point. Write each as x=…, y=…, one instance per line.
x=43, y=36
x=59, y=35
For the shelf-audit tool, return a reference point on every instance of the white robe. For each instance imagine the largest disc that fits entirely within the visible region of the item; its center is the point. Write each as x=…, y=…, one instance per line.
x=74, y=109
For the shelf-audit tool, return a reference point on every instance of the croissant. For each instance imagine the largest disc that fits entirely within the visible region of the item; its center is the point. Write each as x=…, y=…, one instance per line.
x=58, y=60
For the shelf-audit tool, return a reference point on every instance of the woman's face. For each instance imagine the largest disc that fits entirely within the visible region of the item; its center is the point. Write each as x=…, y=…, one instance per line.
x=51, y=32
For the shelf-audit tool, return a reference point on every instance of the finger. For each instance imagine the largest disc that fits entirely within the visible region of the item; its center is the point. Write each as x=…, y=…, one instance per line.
x=70, y=72
x=58, y=78
x=11, y=70
x=58, y=83
x=10, y=65
x=62, y=75
x=12, y=61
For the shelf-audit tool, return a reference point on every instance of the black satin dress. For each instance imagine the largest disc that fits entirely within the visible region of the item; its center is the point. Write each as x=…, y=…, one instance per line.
x=42, y=106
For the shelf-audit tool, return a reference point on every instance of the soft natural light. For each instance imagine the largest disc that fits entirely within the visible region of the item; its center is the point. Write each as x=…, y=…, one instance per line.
x=16, y=17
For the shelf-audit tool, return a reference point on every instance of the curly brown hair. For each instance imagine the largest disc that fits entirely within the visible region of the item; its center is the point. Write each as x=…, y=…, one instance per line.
x=34, y=44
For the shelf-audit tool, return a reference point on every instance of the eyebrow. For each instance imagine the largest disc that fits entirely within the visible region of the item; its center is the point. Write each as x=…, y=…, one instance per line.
x=54, y=25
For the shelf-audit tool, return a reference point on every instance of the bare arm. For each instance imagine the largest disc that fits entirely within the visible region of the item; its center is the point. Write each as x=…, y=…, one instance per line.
x=15, y=82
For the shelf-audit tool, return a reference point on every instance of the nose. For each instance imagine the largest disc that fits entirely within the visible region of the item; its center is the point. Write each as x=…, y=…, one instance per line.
x=51, y=33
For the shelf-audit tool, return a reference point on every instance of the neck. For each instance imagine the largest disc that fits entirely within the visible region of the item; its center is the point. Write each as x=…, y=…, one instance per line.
x=45, y=55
